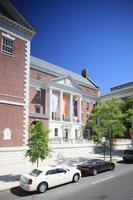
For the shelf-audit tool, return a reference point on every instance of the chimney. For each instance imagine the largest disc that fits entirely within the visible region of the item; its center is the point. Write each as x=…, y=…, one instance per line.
x=84, y=73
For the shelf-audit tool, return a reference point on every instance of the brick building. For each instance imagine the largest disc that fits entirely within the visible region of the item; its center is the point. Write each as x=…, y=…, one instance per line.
x=32, y=89
x=61, y=98
x=15, y=37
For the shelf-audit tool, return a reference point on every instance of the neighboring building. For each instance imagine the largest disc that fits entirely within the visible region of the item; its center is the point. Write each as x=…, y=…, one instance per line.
x=15, y=36
x=61, y=98
x=32, y=89
x=122, y=92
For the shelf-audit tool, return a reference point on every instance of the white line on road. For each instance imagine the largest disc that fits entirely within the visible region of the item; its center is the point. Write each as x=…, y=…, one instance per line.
x=103, y=180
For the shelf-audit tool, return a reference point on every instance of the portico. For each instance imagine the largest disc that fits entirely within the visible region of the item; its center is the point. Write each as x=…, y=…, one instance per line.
x=64, y=112
x=64, y=106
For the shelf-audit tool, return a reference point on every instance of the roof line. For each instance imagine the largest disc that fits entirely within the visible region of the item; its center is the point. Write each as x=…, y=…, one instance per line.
x=67, y=71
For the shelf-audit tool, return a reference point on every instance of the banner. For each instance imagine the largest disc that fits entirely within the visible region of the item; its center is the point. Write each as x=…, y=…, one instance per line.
x=65, y=105
x=55, y=98
x=75, y=107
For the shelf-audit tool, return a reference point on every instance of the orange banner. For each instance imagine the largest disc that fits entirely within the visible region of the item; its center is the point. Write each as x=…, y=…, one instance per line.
x=65, y=105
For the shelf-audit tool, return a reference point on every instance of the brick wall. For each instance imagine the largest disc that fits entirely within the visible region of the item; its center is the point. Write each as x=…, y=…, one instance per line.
x=12, y=70
x=92, y=93
x=31, y=120
x=11, y=117
x=45, y=77
x=36, y=101
x=12, y=85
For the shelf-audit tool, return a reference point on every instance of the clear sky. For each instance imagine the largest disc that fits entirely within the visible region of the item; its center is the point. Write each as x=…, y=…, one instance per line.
x=77, y=34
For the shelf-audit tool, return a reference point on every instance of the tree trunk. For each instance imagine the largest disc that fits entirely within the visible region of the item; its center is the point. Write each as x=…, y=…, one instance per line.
x=111, y=142
x=37, y=162
x=110, y=149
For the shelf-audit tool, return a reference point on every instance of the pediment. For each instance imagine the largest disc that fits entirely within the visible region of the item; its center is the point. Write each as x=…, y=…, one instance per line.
x=66, y=82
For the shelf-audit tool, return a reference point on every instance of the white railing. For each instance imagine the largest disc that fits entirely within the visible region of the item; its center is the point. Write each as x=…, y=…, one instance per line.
x=69, y=141
x=123, y=141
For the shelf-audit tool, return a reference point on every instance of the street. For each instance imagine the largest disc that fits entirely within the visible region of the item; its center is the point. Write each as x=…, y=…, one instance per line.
x=111, y=185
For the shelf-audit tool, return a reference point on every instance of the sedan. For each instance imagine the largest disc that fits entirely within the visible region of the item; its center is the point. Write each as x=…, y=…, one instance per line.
x=41, y=179
x=94, y=166
x=128, y=155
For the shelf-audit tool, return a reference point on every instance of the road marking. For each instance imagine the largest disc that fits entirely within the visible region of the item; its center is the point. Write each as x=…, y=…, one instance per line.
x=102, y=180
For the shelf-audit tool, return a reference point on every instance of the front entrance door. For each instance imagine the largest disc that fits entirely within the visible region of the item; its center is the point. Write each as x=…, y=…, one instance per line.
x=65, y=133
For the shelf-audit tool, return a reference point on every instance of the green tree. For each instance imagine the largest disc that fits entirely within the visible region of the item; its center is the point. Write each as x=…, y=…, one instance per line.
x=106, y=121
x=128, y=111
x=38, y=143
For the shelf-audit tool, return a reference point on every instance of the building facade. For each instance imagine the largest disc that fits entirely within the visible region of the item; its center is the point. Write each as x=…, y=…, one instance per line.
x=32, y=89
x=121, y=92
x=15, y=37
x=61, y=98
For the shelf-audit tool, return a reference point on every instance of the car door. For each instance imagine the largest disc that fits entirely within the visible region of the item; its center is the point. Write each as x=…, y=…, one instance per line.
x=63, y=175
x=100, y=164
x=51, y=177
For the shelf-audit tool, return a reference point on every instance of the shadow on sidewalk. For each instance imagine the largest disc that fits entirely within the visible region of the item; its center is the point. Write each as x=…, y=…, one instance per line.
x=100, y=150
x=17, y=191
x=9, y=178
x=71, y=162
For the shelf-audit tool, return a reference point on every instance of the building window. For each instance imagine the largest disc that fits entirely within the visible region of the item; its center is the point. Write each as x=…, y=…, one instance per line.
x=94, y=94
x=37, y=108
x=56, y=132
x=87, y=106
x=38, y=94
x=38, y=76
x=87, y=117
x=7, y=45
x=82, y=117
x=81, y=104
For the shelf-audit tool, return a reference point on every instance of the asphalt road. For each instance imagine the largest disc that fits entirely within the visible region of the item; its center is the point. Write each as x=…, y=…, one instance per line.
x=111, y=185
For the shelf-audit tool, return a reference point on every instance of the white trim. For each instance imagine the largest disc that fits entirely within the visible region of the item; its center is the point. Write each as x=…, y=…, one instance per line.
x=6, y=95
x=26, y=92
x=65, y=91
x=8, y=36
x=38, y=89
x=14, y=34
x=12, y=103
x=50, y=103
x=61, y=105
x=79, y=115
x=46, y=101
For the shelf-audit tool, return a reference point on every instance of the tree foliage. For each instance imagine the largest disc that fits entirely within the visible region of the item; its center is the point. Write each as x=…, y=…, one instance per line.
x=38, y=143
x=106, y=121
x=128, y=109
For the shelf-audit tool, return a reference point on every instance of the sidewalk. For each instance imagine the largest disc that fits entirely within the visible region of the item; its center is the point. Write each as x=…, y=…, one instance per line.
x=9, y=175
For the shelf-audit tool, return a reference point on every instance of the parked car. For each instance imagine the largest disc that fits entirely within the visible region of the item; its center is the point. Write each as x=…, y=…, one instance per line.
x=94, y=166
x=41, y=179
x=128, y=155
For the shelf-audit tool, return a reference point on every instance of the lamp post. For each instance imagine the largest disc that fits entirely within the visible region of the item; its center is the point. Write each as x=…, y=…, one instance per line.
x=103, y=141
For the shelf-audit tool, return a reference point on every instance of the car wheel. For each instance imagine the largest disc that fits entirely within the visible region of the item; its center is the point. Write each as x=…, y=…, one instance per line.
x=76, y=178
x=112, y=167
x=42, y=187
x=94, y=172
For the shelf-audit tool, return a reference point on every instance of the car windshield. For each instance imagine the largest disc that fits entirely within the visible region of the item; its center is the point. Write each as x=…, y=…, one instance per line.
x=91, y=162
x=35, y=172
x=128, y=152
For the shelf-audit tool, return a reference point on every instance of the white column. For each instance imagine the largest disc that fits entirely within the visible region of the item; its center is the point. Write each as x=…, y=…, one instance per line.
x=46, y=102
x=79, y=109
x=71, y=107
x=50, y=103
x=61, y=105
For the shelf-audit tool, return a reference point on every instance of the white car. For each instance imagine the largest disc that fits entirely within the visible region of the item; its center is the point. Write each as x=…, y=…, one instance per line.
x=41, y=179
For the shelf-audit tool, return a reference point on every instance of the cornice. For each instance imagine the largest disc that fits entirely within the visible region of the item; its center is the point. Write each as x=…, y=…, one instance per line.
x=16, y=26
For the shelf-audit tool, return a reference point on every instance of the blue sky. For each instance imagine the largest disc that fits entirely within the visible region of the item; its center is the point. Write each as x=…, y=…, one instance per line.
x=77, y=34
